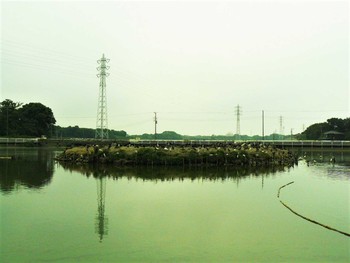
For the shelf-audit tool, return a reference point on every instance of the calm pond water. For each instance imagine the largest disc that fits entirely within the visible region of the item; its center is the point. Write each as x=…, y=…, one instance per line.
x=55, y=213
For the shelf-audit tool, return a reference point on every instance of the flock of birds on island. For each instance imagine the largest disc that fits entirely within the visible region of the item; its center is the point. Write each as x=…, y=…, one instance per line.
x=232, y=146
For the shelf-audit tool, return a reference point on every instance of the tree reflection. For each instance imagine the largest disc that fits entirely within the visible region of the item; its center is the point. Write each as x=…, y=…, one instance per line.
x=156, y=174
x=159, y=174
x=31, y=171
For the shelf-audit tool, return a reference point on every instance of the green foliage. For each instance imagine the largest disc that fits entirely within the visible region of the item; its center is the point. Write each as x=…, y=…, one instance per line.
x=171, y=135
x=316, y=131
x=36, y=120
x=32, y=119
x=166, y=135
x=77, y=132
x=9, y=117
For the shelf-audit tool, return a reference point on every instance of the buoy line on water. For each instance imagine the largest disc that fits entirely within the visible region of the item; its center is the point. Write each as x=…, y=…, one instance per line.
x=279, y=189
x=306, y=218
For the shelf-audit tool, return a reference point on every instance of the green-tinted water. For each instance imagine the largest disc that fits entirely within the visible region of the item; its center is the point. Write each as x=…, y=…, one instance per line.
x=71, y=214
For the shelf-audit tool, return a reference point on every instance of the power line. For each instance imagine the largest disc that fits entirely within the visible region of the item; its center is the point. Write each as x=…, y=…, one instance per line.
x=43, y=67
x=15, y=54
x=32, y=48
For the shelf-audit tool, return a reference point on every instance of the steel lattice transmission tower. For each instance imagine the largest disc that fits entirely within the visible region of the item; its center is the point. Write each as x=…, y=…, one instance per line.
x=102, y=121
x=281, y=127
x=238, y=120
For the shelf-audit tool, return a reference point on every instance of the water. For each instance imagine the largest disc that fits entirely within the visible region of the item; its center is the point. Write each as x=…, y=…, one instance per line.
x=51, y=213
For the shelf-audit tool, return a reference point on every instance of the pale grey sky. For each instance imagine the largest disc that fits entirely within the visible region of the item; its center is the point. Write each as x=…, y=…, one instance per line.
x=192, y=62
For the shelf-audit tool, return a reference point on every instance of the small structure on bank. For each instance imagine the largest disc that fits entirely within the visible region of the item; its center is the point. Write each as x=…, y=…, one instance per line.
x=333, y=135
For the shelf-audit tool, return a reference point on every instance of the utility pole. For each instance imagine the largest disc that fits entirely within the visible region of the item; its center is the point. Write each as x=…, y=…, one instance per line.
x=263, y=128
x=238, y=118
x=7, y=121
x=101, y=121
x=155, y=125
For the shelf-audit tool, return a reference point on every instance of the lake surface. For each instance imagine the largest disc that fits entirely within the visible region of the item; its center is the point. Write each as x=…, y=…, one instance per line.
x=55, y=213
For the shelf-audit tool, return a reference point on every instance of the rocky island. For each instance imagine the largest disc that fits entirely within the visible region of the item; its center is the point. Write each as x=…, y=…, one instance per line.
x=237, y=154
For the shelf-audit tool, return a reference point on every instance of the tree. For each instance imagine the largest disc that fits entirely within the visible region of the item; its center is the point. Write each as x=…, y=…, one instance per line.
x=347, y=129
x=336, y=124
x=36, y=120
x=9, y=118
x=169, y=135
x=315, y=131
x=117, y=134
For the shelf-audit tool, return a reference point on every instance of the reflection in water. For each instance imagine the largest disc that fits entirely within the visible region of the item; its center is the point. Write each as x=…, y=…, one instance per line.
x=180, y=220
x=31, y=171
x=339, y=172
x=324, y=155
x=339, y=169
x=101, y=219
x=171, y=173
x=102, y=172
x=332, y=171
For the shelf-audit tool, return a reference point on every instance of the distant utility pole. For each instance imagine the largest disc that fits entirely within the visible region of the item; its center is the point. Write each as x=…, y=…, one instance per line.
x=155, y=125
x=7, y=126
x=238, y=119
x=101, y=121
x=281, y=127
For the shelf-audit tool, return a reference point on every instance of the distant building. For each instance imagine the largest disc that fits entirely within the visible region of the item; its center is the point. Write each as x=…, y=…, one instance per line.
x=333, y=135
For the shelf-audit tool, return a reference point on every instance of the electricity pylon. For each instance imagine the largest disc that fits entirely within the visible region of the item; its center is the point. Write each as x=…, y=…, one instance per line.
x=281, y=127
x=101, y=121
x=238, y=119
x=101, y=220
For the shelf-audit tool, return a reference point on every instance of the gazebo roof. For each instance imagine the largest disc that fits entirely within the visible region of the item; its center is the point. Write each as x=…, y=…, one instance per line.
x=333, y=133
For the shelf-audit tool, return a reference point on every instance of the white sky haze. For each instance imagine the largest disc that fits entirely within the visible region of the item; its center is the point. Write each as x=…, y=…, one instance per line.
x=192, y=62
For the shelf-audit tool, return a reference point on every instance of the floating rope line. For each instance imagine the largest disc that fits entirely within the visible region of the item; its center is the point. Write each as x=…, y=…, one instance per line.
x=279, y=189
x=308, y=219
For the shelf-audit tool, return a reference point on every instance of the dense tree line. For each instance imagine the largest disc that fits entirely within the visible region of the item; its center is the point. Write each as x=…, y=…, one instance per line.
x=32, y=119
x=317, y=131
x=36, y=120
x=77, y=132
x=171, y=135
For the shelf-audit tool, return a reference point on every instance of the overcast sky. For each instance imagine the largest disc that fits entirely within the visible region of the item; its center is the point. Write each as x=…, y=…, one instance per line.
x=192, y=62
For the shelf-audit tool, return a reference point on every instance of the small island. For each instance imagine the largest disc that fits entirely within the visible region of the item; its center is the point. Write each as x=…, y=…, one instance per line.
x=237, y=154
